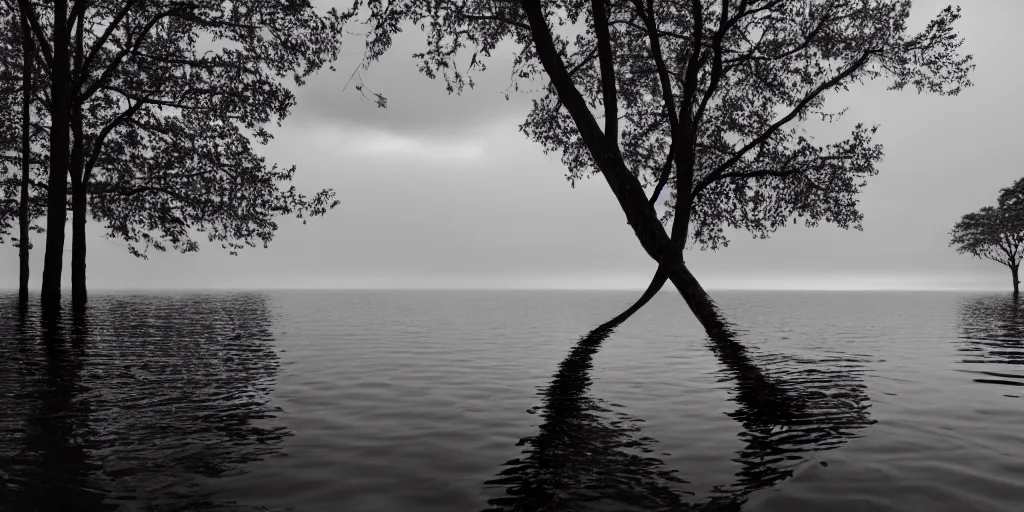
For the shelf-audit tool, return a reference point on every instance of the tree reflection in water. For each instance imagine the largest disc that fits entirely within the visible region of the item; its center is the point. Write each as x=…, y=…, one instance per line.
x=992, y=334
x=140, y=401
x=584, y=458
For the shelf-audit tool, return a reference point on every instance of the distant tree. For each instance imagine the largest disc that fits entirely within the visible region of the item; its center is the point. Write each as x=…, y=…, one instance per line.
x=701, y=96
x=154, y=108
x=995, y=233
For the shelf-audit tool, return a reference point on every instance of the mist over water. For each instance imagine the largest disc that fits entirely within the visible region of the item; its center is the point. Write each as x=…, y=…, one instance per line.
x=442, y=401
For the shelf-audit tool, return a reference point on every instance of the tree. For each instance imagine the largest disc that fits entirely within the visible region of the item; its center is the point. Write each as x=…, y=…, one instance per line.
x=18, y=136
x=704, y=97
x=995, y=233
x=136, y=84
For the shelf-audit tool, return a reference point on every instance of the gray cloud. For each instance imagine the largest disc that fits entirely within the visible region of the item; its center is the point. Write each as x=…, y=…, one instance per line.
x=416, y=104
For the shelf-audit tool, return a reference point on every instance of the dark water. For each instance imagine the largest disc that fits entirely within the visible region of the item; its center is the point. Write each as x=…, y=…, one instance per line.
x=446, y=401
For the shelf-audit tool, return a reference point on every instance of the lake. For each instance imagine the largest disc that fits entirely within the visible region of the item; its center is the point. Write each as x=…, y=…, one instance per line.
x=469, y=401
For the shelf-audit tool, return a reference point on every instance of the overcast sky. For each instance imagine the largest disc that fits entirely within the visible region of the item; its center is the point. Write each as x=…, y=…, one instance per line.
x=441, y=191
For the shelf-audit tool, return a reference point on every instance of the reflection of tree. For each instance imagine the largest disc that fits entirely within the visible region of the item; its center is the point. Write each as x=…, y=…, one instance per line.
x=992, y=333
x=582, y=454
x=151, y=396
x=51, y=469
x=806, y=405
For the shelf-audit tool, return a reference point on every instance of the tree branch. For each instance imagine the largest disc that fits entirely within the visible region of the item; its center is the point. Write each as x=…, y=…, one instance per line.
x=583, y=63
x=605, y=57
x=836, y=80
x=500, y=19
x=102, y=40
x=41, y=41
x=102, y=137
x=659, y=60
x=116, y=61
x=716, y=60
x=666, y=171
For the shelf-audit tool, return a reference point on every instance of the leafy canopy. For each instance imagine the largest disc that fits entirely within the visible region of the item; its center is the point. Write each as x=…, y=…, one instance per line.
x=175, y=98
x=703, y=96
x=994, y=232
x=11, y=76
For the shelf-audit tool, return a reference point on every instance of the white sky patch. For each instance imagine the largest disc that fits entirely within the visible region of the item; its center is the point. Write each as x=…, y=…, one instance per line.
x=390, y=146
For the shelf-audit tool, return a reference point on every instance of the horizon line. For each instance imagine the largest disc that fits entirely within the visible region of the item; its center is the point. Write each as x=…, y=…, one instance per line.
x=668, y=289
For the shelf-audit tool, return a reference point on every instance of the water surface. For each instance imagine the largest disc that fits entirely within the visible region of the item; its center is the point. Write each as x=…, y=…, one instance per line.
x=443, y=401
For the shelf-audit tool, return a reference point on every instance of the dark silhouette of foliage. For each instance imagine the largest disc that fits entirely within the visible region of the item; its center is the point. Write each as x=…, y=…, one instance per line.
x=22, y=200
x=705, y=97
x=995, y=232
x=160, y=106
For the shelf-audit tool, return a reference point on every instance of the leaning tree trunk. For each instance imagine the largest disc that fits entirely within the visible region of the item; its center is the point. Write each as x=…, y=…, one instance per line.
x=56, y=210
x=27, y=44
x=640, y=213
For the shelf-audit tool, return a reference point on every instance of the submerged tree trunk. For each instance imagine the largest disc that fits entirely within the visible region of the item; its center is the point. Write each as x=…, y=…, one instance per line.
x=1014, y=270
x=28, y=49
x=56, y=211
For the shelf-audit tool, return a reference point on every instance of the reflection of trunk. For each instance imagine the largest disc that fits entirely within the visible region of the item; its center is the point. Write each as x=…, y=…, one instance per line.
x=56, y=210
x=1014, y=270
x=26, y=152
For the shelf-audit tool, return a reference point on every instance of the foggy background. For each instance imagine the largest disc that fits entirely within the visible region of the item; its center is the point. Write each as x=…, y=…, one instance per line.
x=442, y=191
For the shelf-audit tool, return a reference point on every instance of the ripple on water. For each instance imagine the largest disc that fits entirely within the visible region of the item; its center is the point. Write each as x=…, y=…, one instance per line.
x=383, y=401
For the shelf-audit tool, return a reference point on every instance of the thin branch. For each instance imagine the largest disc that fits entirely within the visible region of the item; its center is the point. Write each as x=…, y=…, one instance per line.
x=116, y=61
x=102, y=137
x=102, y=40
x=716, y=61
x=659, y=59
x=41, y=41
x=484, y=17
x=761, y=139
x=583, y=63
x=666, y=171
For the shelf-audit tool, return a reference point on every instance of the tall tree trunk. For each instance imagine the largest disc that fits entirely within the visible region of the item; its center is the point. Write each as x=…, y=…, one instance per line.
x=1014, y=270
x=56, y=210
x=79, y=295
x=28, y=49
x=79, y=185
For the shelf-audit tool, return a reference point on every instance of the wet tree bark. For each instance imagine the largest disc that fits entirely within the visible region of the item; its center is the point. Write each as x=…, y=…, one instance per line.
x=56, y=211
x=28, y=53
